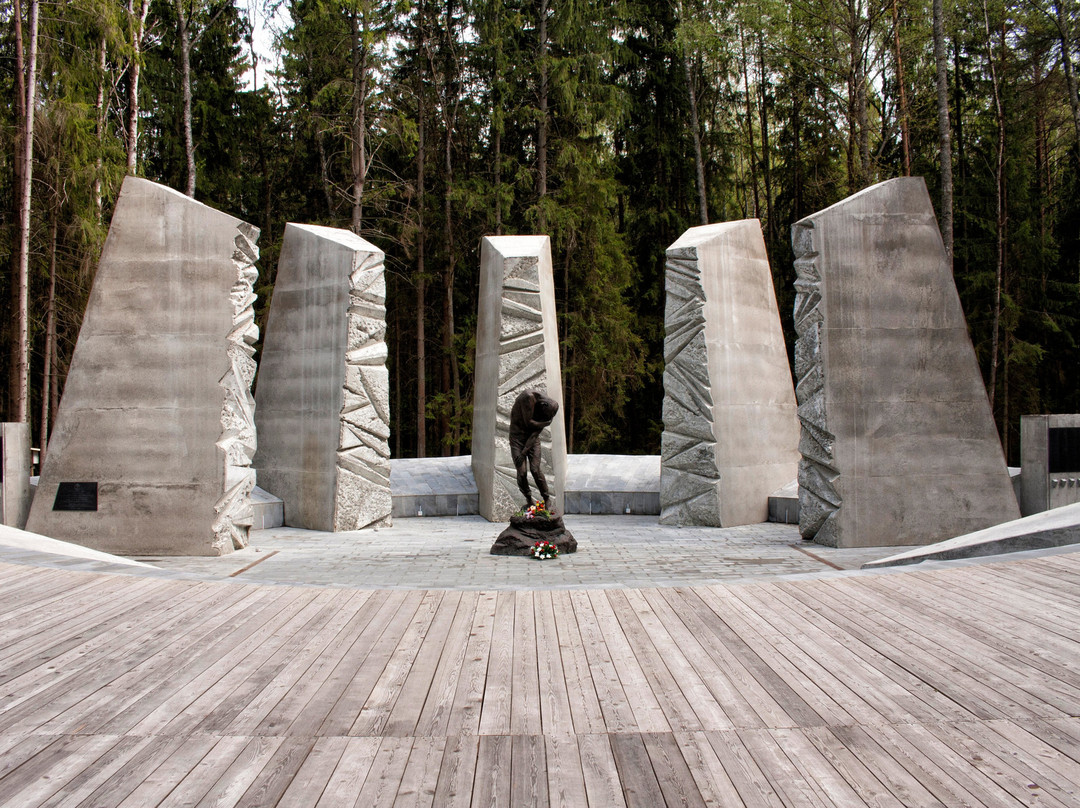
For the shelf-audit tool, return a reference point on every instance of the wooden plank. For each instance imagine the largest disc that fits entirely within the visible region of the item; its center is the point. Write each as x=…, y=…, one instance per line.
x=118, y=786
x=1002, y=770
x=457, y=770
x=1033, y=752
x=385, y=690
x=556, y=717
x=780, y=771
x=307, y=787
x=495, y=714
x=817, y=768
x=434, y=716
x=708, y=713
x=712, y=664
x=199, y=779
x=672, y=773
x=351, y=772
x=669, y=695
x=793, y=677
x=525, y=677
x=639, y=784
x=585, y=712
x=790, y=707
x=49, y=771
x=600, y=772
x=712, y=780
x=872, y=791
x=896, y=777
x=123, y=753
x=491, y=787
x=352, y=680
x=614, y=705
x=565, y=778
x=754, y=789
x=160, y=780
x=528, y=771
x=421, y=777
x=468, y=703
x=17, y=749
x=273, y=780
x=246, y=768
x=383, y=780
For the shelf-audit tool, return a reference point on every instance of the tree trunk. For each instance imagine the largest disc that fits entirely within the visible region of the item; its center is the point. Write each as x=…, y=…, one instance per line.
x=1066, y=62
x=183, y=23
x=999, y=200
x=99, y=164
x=421, y=291
x=905, y=141
x=749, y=121
x=763, y=117
x=324, y=170
x=26, y=141
x=358, y=155
x=138, y=29
x=451, y=369
x=50, y=337
x=542, y=126
x=944, y=129
x=695, y=128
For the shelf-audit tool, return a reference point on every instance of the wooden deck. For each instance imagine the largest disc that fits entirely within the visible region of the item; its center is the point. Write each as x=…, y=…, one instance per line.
x=956, y=687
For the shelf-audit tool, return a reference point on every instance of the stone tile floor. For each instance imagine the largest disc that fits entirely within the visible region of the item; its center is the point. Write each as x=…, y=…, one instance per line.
x=452, y=553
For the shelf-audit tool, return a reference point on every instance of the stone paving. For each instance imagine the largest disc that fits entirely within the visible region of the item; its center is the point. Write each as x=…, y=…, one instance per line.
x=453, y=553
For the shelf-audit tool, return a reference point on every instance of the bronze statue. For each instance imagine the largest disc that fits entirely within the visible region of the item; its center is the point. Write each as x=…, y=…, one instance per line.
x=533, y=410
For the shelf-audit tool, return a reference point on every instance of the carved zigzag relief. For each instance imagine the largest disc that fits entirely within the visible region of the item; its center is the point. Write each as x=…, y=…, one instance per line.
x=363, y=458
x=689, y=477
x=819, y=499
x=234, y=513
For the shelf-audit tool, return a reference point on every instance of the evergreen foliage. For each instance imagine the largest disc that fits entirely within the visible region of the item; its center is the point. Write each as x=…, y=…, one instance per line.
x=425, y=126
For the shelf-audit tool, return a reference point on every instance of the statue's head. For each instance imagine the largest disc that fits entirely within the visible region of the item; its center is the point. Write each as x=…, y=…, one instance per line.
x=545, y=408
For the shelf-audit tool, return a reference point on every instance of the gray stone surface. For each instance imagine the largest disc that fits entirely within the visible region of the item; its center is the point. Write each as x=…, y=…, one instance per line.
x=784, y=504
x=267, y=510
x=1042, y=489
x=14, y=474
x=516, y=349
x=1054, y=528
x=323, y=404
x=730, y=430
x=898, y=443
x=157, y=408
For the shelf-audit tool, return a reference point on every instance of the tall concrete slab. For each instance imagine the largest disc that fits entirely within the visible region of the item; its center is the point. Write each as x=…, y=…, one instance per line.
x=322, y=396
x=731, y=433
x=14, y=474
x=898, y=442
x=517, y=349
x=151, y=452
x=1050, y=462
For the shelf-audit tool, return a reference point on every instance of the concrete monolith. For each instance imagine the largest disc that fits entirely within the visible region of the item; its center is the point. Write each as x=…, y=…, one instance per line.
x=14, y=474
x=152, y=446
x=898, y=443
x=731, y=433
x=517, y=349
x=323, y=408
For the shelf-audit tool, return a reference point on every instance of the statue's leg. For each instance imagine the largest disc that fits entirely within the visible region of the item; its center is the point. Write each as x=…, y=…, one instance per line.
x=538, y=475
x=521, y=463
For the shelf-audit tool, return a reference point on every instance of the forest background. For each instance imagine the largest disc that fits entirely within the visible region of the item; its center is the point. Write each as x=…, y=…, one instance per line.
x=611, y=126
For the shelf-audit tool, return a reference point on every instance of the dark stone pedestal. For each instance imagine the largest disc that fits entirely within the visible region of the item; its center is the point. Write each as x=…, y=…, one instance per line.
x=519, y=538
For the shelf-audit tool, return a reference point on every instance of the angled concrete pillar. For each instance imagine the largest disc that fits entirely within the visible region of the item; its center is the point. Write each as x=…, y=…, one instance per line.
x=322, y=396
x=153, y=441
x=898, y=443
x=14, y=474
x=517, y=349
x=730, y=429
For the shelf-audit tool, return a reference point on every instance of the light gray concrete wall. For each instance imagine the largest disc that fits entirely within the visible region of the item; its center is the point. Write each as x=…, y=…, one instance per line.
x=323, y=390
x=157, y=407
x=730, y=429
x=14, y=474
x=1040, y=488
x=898, y=443
x=517, y=348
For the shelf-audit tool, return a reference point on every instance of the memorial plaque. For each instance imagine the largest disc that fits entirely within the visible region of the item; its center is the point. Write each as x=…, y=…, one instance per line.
x=75, y=497
x=1063, y=449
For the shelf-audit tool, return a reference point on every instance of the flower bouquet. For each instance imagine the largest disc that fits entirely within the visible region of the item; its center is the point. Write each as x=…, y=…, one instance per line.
x=535, y=511
x=544, y=550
